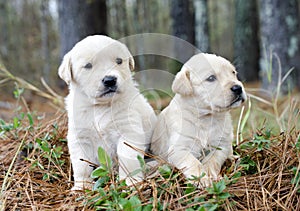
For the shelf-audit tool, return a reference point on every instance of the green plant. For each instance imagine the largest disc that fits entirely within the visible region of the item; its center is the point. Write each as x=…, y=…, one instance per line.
x=213, y=199
x=242, y=123
x=296, y=179
x=17, y=125
x=114, y=199
x=259, y=142
x=46, y=153
x=216, y=196
x=108, y=194
x=103, y=173
x=52, y=154
x=249, y=165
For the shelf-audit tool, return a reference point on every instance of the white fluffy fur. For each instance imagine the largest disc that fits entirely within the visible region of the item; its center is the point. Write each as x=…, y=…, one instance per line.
x=101, y=120
x=195, y=132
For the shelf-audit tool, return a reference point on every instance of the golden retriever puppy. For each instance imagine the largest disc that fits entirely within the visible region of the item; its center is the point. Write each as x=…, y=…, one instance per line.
x=194, y=133
x=105, y=109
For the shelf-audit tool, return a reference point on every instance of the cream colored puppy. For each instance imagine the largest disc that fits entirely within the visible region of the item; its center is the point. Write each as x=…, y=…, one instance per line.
x=194, y=133
x=105, y=109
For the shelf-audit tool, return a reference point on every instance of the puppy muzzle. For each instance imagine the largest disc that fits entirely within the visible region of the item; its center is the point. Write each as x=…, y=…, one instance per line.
x=239, y=95
x=110, y=86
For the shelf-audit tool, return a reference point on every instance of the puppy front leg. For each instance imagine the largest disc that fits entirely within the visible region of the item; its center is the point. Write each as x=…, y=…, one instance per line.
x=215, y=159
x=129, y=165
x=190, y=165
x=81, y=169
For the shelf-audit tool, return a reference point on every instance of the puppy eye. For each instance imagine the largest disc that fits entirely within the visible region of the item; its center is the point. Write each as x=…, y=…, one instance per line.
x=119, y=61
x=234, y=72
x=88, y=66
x=211, y=78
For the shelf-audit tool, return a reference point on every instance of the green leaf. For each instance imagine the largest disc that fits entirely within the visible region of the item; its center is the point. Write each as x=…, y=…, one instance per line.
x=45, y=146
x=296, y=179
x=235, y=177
x=46, y=177
x=124, y=194
x=268, y=133
x=298, y=144
x=102, y=192
x=18, y=92
x=104, y=159
x=141, y=161
x=5, y=127
x=165, y=171
x=98, y=200
x=148, y=207
x=248, y=164
x=213, y=207
x=16, y=122
x=189, y=189
x=125, y=205
x=224, y=195
x=101, y=182
x=101, y=171
x=210, y=206
x=135, y=203
x=202, y=208
x=57, y=151
x=219, y=186
x=2, y=133
x=30, y=119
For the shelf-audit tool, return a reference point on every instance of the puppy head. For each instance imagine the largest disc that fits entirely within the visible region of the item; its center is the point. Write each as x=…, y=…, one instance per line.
x=98, y=66
x=211, y=81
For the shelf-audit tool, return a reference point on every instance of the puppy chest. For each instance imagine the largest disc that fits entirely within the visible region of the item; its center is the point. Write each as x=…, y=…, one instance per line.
x=209, y=140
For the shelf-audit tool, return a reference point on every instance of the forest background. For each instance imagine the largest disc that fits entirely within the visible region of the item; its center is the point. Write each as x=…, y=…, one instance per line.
x=252, y=34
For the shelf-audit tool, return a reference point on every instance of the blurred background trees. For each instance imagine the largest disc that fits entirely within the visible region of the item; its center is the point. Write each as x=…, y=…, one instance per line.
x=80, y=18
x=279, y=21
x=246, y=42
x=252, y=34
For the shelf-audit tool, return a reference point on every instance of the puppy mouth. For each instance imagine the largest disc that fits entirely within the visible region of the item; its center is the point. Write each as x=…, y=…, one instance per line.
x=109, y=91
x=237, y=99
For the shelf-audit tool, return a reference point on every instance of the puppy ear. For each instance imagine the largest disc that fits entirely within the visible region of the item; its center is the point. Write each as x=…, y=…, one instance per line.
x=131, y=63
x=65, y=69
x=182, y=84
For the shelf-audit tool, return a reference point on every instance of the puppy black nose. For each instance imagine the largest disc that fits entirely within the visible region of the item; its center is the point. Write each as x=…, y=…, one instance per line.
x=237, y=89
x=109, y=81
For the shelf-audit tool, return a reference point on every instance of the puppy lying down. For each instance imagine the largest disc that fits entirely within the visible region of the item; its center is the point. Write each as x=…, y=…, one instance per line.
x=194, y=133
x=105, y=109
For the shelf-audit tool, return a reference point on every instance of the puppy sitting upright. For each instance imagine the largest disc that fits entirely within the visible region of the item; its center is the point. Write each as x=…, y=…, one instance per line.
x=105, y=109
x=194, y=133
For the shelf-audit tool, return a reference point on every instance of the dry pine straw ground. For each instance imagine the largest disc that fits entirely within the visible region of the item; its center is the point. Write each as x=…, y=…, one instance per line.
x=268, y=187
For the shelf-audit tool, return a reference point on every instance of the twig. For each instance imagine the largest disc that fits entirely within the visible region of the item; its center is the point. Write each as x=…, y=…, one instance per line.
x=3, y=189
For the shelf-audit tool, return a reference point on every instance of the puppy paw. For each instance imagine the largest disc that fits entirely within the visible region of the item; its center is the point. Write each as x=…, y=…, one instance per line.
x=76, y=188
x=80, y=186
x=205, y=182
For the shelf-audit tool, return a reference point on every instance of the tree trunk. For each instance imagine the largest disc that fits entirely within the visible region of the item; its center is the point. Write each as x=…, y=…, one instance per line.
x=44, y=39
x=279, y=37
x=182, y=13
x=78, y=19
x=201, y=25
x=246, y=44
x=4, y=28
x=118, y=21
